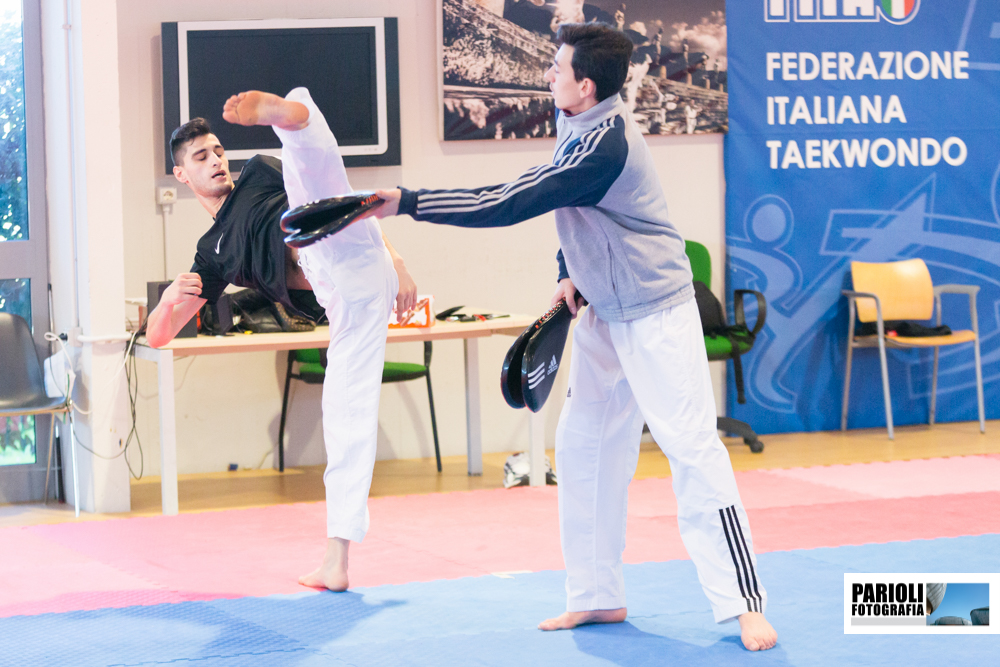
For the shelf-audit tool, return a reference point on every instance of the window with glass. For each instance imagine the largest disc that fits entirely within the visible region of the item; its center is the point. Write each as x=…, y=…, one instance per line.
x=17, y=434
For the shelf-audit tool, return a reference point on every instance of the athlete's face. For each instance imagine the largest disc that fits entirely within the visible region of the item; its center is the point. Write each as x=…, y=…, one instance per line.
x=570, y=95
x=204, y=167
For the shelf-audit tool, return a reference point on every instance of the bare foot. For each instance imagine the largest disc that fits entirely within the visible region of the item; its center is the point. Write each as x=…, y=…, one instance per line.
x=332, y=573
x=257, y=108
x=756, y=632
x=571, y=619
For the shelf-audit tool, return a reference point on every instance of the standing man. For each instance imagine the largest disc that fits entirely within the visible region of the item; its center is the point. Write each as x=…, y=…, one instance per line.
x=638, y=351
x=353, y=276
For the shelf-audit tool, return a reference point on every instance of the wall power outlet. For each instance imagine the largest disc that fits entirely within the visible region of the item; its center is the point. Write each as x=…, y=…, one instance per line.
x=166, y=196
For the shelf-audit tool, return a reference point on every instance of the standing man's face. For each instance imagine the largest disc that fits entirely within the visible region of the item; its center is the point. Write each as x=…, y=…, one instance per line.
x=569, y=94
x=204, y=167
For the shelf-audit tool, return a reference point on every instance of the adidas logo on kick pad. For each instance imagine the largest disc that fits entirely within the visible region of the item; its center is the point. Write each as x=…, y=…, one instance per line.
x=537, y=375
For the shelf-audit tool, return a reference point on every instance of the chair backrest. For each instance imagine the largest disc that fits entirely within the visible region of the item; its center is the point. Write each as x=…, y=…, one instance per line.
x=316, y=356
x=308, y=356
x=904, y=289
x=701, y=262
x=20, y=372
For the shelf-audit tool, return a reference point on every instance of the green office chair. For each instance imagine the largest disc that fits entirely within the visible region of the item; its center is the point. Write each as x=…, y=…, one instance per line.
x=734, y=342
x=312, y=370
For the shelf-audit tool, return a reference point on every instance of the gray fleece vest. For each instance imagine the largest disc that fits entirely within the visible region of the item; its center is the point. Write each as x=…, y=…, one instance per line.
x=617, y=244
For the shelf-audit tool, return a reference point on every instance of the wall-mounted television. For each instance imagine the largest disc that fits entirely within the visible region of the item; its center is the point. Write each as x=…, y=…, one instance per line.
x=350, y=66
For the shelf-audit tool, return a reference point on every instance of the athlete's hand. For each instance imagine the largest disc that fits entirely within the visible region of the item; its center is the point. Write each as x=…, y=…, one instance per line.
x=567, y=290
x=390, y=207
x=407, y=296
x=186, y=286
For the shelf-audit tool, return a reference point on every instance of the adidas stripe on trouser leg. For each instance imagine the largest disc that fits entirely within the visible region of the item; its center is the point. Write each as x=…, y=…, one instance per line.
x=352, y=276
x=621, y=373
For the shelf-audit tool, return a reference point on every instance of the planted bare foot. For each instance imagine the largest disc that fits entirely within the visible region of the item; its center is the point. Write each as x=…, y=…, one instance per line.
x=756, y=633
x=258, y=108
x=332, y=573
x=571, y=619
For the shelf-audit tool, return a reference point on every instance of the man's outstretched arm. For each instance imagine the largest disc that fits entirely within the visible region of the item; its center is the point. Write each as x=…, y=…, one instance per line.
x=406, y=298
x=179, y=303
x=581, y=176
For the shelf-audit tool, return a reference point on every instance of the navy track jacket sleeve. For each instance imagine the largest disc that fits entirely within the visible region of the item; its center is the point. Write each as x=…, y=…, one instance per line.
x=563, y=271
x=580, y=176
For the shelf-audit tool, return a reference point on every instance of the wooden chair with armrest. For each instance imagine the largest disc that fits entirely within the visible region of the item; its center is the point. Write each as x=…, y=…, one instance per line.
x=904, y=291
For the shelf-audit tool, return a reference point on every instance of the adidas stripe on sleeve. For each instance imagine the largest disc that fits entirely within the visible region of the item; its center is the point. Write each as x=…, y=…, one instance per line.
x=580, y=176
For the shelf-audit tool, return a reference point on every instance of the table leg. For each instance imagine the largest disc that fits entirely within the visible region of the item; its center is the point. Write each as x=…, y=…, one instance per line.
x=168, y=432
x=536, y=451
x=473, y=423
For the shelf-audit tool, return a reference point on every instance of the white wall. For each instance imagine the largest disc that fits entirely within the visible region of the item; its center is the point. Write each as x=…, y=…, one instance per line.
x=228, y=406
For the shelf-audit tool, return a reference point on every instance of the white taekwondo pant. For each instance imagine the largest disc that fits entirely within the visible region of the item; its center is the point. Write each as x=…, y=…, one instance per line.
x=621, y=373
x=352, y=276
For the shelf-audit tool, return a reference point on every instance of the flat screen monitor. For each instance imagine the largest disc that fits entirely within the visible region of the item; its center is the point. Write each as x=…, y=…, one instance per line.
x=350, y=66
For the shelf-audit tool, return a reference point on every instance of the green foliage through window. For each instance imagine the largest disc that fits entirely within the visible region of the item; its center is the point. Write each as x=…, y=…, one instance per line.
x=13, y=162
x=15, y=297
x=17, y=434
x=17, y=440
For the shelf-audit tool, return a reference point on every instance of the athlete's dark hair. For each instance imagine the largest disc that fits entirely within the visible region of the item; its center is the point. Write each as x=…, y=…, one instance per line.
x=194, y=128
x=600, y=53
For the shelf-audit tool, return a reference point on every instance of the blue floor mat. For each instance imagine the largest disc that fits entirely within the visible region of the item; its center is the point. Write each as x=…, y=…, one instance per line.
x=491, y=621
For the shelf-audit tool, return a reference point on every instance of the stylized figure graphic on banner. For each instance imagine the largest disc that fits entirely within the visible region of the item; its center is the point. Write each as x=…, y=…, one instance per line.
x=981, y=35
x=797, y=312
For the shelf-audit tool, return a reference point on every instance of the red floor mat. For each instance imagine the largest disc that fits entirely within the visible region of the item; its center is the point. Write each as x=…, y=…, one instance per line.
x=261, y=551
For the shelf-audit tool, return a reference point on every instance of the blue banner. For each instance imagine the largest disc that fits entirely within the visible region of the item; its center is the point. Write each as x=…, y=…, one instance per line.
x=861, y=130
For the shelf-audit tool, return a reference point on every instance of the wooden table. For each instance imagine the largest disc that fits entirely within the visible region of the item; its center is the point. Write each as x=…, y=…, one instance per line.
x=468, y=332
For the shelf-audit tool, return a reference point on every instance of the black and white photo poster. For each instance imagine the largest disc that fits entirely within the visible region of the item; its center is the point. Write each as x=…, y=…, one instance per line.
x=495, y=53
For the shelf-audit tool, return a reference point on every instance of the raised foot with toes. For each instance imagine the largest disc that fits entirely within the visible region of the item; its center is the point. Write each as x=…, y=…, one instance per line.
x=258, y=108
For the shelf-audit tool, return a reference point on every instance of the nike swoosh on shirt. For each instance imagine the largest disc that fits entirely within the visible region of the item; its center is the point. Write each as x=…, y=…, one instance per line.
x=219, y=243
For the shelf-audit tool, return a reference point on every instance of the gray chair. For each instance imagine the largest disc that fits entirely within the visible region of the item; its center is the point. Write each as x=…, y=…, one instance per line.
x=22, y=388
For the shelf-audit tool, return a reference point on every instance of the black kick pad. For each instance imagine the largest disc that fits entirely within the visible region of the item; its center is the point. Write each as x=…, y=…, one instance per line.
x=316, y=220
x=542, y=355
x=532, y=361
x=510, y=375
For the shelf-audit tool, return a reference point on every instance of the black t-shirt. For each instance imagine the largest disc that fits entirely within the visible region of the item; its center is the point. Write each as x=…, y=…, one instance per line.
x=246, y=246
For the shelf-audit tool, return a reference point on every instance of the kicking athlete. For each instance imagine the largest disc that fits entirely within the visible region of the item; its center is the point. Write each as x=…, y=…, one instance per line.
x=353, y=276
x=638, y=351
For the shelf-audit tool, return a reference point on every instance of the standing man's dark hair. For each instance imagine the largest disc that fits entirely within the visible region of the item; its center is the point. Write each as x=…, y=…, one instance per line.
x=600, y=53
x=194, y=128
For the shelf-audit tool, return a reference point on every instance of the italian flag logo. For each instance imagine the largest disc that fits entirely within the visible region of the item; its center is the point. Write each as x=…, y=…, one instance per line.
x=899, y=10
